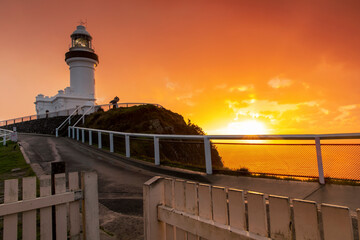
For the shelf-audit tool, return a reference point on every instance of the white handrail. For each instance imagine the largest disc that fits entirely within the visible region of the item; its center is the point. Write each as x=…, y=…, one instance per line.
x=68, y=119
x=83, y=116
x=207, y=142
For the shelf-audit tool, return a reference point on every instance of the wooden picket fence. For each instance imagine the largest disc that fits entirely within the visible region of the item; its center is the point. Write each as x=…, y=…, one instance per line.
x=176, y=209
x=76, y=208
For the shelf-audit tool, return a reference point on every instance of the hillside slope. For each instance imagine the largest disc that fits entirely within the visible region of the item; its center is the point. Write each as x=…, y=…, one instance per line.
x=155, y=120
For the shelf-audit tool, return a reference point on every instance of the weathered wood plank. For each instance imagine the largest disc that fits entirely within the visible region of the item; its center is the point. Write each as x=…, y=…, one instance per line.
x=191, y=204
x=60, y=210
x=31, y=204
x=169, y=202
x=219, y=202
x=91, y=205
x=29, y=217
x=336, y=222
x=204, y=228
x=205, y=203
x=11, y=221
x=74, y=208
x=257, y=213
x=179, y=200
x=280, y=217
x=153, y=195
x=306, y=220
x=358, y=220
x=205, y=207
x=237, y=209
x=45, y=213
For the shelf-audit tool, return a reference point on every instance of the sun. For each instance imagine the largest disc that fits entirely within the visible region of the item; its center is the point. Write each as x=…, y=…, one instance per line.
x=247, y=127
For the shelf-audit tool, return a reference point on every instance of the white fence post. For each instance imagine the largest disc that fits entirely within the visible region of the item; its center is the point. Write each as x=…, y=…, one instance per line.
x=319, y=160
x=111, y=138
x=69, y=132
x=77, y=134
x=153, y=192
x=127, y=145
x=90, y=206
x=99, y=140
x=57, y=132
x=90, y=137
x=156, y=151
x=4, y=139
x=82, y=135
x=73, y=132
x=208, y=162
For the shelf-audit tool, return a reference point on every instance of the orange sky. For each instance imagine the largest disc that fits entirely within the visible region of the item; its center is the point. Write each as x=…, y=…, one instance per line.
x=289, y=66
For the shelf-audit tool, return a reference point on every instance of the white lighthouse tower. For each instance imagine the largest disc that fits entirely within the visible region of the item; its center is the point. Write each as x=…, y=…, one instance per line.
x=82, y=61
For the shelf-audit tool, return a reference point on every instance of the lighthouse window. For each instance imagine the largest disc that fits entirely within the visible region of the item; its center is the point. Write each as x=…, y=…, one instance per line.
x=81, y=42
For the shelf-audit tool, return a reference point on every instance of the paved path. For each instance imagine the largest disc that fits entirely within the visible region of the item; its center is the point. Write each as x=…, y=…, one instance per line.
x=120, y=183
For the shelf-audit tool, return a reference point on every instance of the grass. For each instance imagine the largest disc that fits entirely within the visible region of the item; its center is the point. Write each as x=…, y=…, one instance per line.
x=12, y=165
x=11, y=158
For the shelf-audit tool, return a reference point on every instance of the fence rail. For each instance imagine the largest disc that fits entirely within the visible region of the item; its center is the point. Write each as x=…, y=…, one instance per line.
x=67, y=208
x=5, y=135
x=66, y=112
x=178, y=209
x=80, y=133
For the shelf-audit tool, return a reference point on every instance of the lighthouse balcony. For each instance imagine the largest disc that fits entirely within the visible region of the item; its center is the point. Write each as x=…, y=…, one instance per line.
x=81, y=53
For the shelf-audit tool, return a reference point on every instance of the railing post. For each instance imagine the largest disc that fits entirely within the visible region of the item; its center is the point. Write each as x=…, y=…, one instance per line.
x=111, y=138
x=69, y=132
x=57, y=132
x=127, y=145
x=77, y=134
x=73, y=132
x=99, y=140
x=319, y=160
x=156, y=151
x=208, y=161
x=4, y=139
x=90, y=138
x=82, y=135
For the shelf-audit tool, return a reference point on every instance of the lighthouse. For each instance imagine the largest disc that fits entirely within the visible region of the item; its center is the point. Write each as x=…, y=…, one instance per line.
x=82, y=61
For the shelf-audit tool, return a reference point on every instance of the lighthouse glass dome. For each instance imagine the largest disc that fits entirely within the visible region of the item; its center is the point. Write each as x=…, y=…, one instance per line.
x=80, y=38
x=81, y=41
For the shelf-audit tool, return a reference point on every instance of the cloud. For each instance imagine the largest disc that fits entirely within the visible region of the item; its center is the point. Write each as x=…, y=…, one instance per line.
x=272, y=110
x=277, y=82
x=187, y=99
x=221, y=86
x=242, y=88
x=345, y=111
x=170, y=85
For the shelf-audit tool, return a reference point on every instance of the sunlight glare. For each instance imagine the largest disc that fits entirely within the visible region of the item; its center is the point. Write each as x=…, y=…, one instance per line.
x=247, y=127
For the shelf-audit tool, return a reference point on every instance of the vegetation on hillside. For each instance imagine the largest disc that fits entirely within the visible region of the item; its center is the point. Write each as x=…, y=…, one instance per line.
x=12, y=162
x=155, y=120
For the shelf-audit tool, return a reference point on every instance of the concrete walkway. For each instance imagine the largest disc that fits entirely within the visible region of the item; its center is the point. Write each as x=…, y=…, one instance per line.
x=121, y=179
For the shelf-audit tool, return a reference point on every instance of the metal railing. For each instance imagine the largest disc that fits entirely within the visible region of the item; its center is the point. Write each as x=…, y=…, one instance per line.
x=5, y=135
x=36, y=116
x=68, y=119
x=206, y=139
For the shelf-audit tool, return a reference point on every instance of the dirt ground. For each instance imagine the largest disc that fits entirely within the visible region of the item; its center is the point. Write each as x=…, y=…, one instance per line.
x=115, y=225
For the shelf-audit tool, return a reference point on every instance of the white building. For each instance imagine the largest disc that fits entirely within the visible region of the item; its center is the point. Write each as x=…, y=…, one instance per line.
x=82, y=61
